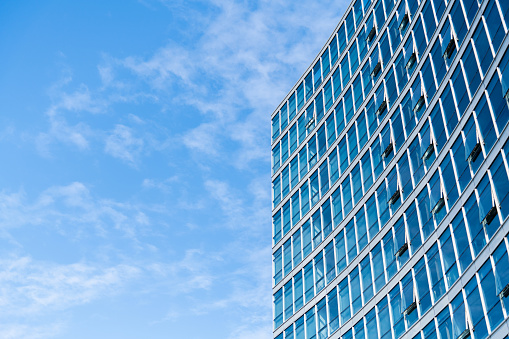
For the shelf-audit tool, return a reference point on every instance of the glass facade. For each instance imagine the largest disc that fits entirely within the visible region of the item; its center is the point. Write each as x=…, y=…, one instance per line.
x=390, y=177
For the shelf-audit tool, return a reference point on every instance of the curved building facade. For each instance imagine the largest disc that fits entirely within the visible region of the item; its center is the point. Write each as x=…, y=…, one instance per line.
x=390, y=177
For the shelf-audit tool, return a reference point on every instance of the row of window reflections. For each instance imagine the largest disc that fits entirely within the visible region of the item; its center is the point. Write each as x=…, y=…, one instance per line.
x=355, y=95
x=454, y=95
x=442, y=188
x=471, y=229
x=476, y=311
x=328, y=59
x=374, y=64
x=421, y=90
x=351, y=58
x=479, y=132
x=477, y=126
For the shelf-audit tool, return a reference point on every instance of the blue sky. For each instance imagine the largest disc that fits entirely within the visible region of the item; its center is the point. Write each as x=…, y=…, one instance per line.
x=135, y=175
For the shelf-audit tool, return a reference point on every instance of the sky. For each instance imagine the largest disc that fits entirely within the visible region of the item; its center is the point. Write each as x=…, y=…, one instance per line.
x=135, y=172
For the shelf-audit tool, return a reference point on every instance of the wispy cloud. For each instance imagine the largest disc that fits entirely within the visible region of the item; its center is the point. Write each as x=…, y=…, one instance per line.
x=71, y=210
x=77, y=134
x=30, y=287
x=201, y=246
x=236, y=72
x=24, y=331
x=122, y=144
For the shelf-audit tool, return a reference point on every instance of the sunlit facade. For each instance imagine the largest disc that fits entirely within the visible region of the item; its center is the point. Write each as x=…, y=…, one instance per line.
x=390, y=177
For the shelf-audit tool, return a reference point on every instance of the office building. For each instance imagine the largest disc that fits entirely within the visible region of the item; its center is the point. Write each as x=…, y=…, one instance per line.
x=390, y=177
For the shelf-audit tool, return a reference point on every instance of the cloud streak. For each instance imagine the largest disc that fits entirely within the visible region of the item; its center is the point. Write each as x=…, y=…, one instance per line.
x=30, y=287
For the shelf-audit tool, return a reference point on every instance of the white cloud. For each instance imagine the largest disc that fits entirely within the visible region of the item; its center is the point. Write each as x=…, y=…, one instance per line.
x=23, y=331
x=162, y=185
x=77, y=134
x=167, y=64
x=72, y=210
x=252, y=332
x=233, y=73
x=30, y=287
x=122, y=144
x=237, y=71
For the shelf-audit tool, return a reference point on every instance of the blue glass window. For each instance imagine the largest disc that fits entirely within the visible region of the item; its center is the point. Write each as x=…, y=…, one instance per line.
x=312, y=151
x=496, y=94
x=356, y=184
x=333, y=51
x=334, y=169
x=343, y=155
x=350, y=27
x=332, y=300
x=340, y=252
x=321, y=315
x=331, y=130
x=317, y=74
x=278, y=308
x=309, y=283
x=285, y=178
x=299, y=328
x=275, y=127
x=299, y=292
x=276, y=223
x=501, y=184
x=357, y=90
x=372, y=217
x=288, y=291
x=330, y=262
x=471, y=70
x=345, y=71
x=310, y=324
x=284, y=116
x=349, y=111
x=351, y=244
x=276, y=191
x=352, y=142
x=435, y=272
x=308, y=81
x=300, y=96
x=462, y=242
x=304, y=198
x=344, y=300
x=276, y=158
x=378, y=267
x=284, y=148
x=322, y=141
x=367, y=283
x=314, y=188
x=291, y=107
x=360, y=226
x=297, y=252
x=429, y=19
x=319, y=272
x=306, y=238
x=355, y=290
x=278, y=265
x=317, y=232
x=421, y=280
x=341, y=38
x=495, y=28
x=475, y=308
x=337, y=207
x=324, y=178
x=327, y=90
x=293, y=138
x=384, y=321
x=347, y=195
x=458, y=21
x=491, y=298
